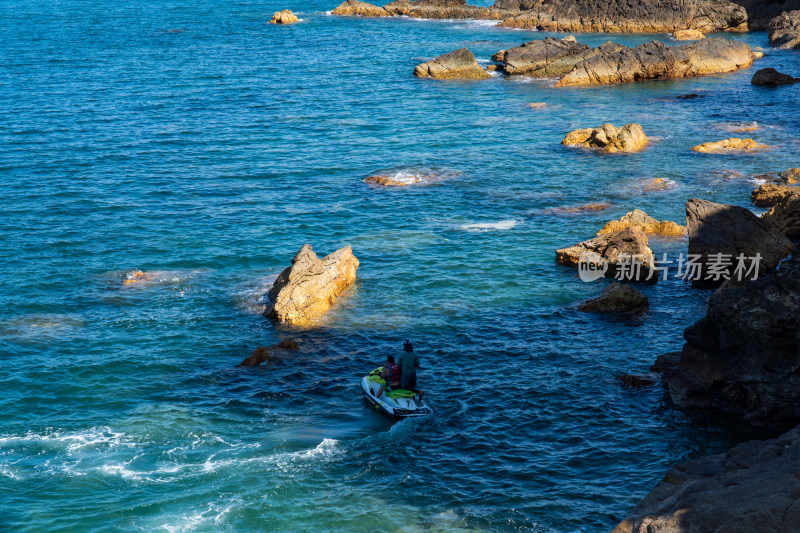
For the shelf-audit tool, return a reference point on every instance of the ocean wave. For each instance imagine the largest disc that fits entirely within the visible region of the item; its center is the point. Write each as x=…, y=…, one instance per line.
x=490, y=226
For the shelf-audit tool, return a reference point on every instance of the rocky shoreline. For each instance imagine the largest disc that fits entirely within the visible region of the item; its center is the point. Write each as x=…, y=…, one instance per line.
x=646, y=16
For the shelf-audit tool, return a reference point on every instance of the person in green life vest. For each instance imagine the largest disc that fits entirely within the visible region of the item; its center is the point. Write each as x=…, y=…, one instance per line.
x=409, y=362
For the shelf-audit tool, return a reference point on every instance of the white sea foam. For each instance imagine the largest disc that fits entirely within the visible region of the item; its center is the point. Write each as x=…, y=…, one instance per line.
x=71, y=442
x=251, y=298
x=490, y=226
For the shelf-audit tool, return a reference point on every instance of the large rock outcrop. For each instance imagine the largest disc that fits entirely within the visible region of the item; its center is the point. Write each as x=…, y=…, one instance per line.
x=644, y=222
x=305, y=290
x=654, y=60
x=731, y=230
x=615, y=253
x=648, y=16
x=750, y=489
x=741, y=362
x=456, y=64
x=619, y=299
x=608, y=138
x=548, y=57
x=784, y=30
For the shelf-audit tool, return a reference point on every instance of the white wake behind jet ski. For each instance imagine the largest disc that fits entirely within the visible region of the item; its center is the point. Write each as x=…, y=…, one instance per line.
x=397, y=403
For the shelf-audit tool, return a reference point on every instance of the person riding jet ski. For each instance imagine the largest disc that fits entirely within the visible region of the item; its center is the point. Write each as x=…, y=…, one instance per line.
x=409, y=362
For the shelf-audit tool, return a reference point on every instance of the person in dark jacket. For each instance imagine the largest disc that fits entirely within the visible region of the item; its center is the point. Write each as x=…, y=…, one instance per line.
x=409, y=362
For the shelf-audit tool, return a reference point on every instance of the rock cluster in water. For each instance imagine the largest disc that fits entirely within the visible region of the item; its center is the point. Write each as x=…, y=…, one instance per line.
x=305, y=290
x=608, y=138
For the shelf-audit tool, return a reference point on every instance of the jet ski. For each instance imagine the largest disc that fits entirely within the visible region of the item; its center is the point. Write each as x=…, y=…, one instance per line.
x=396, y=403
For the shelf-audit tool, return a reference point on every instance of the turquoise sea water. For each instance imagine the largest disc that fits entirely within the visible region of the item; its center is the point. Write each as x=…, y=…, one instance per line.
x=194, y=141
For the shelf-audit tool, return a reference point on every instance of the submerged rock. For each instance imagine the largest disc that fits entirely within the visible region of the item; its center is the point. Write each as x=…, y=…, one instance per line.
x=769, y=77
x=457, y=64
x=645, y=223
x=305, y=290
x=784, y=30
x=617, y=251
x=688, y=35
x=770, y=194
x=284, y=17
x=357, y=8
x=577, y=209
x=750, y=489
x=731, y=145
x=607, y=138
x=731, y=230
x=263, y=354
x=638, y=381
x=617, y=298
x=655, y=60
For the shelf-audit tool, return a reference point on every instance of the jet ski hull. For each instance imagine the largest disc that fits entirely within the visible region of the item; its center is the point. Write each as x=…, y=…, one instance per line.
x=402, y=405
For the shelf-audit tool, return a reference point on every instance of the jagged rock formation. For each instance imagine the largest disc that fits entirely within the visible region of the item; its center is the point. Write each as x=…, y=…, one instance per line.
x=655, y=60
x=731, y=145
x=645, y=223
x=616, y=250
x=608, y=138
x=731, y=230
x=617, y=298
x=769, y=77
x=784, y=30
x=750, y=489
x=770, y=194
x=457, y=64
x=305, y=290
